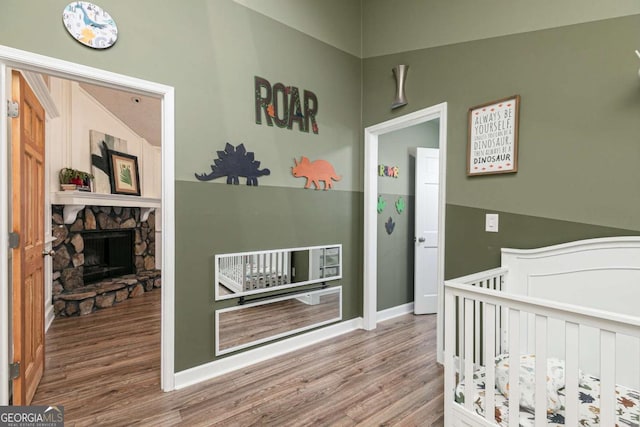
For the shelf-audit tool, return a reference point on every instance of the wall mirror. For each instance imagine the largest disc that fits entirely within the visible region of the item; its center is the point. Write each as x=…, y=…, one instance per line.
x=255, y=323
x=249, y=273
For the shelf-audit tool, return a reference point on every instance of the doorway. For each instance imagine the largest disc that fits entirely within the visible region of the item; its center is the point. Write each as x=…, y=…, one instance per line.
x=16, y=59
x=372, y=133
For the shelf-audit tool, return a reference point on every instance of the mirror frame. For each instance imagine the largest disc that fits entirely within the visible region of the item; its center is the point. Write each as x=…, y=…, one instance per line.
x=216, y=273
x=331, y=289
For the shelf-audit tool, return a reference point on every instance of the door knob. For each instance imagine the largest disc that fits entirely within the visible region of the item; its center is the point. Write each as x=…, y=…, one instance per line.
x=421, y=239
x=50, y=253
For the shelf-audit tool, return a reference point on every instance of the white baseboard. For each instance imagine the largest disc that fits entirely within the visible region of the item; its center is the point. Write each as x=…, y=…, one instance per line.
x=48, y=317
x=222, y=366
x=392, y=312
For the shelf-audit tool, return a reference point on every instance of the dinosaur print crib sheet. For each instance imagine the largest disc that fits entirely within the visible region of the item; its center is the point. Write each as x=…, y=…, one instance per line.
x=627, y=401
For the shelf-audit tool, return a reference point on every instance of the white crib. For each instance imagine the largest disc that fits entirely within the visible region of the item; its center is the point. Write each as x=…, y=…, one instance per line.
x=568, y=316
x=259, y=270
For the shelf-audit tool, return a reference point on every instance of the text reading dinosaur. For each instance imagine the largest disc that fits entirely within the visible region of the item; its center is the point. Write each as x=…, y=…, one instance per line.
x=282, y=105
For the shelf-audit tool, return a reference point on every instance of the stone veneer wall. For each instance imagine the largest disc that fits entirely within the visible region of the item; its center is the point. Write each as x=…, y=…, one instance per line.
x=68, y=261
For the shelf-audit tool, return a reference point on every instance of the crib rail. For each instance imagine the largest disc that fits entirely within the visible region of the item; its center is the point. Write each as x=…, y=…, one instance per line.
x=481, y=321
x=490, y=279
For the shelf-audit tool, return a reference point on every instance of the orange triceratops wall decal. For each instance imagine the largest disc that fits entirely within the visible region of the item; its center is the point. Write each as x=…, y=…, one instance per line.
x=314, y=171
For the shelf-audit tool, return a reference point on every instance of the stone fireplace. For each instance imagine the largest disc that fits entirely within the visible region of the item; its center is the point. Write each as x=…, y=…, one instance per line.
x=104, y=257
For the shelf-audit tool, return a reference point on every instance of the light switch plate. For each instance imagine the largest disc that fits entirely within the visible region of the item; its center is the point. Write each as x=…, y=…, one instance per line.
x=491, y=223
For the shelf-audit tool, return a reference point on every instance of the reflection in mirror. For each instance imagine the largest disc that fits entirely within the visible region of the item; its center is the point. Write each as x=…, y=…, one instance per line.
x=247, y=325
x=250, y=273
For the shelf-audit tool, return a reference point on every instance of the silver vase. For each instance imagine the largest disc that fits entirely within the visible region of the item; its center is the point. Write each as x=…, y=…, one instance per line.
x=400, y=73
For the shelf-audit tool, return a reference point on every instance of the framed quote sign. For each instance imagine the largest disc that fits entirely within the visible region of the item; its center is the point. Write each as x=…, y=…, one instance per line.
x=493, y=137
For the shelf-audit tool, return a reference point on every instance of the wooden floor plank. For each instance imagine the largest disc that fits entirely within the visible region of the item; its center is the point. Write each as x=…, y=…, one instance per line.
x=105, y=370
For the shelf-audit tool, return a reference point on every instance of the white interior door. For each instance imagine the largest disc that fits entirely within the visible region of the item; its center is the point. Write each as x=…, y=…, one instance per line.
x=426, y=230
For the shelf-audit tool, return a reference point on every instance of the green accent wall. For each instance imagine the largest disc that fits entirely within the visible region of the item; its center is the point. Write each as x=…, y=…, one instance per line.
x=216, y=219
x=210, y=52
x=395, y=254
x=404, y=25
x=579, y=133
x=578, y=140
x=470, y=249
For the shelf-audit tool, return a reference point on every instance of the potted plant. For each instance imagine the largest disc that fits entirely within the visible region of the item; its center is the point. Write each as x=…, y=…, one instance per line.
x=73, y=179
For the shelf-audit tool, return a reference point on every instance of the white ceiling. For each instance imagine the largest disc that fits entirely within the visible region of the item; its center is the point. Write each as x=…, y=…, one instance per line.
x=142, y=117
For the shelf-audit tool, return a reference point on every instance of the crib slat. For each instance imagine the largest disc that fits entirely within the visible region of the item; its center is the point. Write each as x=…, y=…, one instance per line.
x=541, y=371
x=498, y=330
x=460, y=308
x=452, y=329
x=468, y=354
x=514, y=367
x=243, y=279
x=572, y=360
x=607, y=378
x=477, y=324
x=489, y=316
x=270, y=270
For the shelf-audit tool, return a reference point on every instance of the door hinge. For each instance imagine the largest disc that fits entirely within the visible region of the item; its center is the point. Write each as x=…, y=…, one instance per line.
x=14, y=370
x=14, y=240
x=13, y=109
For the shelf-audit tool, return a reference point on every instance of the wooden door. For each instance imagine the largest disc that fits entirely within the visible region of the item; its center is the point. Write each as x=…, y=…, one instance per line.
x=27, y=145
x=426, y=225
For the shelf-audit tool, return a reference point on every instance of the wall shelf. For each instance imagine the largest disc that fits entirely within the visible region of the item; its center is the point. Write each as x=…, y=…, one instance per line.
x=75, y=201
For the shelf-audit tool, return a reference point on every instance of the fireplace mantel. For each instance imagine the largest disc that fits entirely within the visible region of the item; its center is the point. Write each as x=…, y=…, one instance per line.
x=75, y=201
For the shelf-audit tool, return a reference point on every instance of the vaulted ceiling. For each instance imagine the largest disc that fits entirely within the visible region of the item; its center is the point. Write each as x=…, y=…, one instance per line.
x=140, y=113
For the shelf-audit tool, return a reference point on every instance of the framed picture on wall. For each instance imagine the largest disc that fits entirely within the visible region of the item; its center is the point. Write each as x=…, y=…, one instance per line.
x=124, y=174
x=493, y=137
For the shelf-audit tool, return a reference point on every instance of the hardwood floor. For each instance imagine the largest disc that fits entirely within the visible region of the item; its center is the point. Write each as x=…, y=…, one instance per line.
x=105, y=370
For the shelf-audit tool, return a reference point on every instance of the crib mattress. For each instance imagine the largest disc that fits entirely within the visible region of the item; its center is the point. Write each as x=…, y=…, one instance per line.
x=627, y=404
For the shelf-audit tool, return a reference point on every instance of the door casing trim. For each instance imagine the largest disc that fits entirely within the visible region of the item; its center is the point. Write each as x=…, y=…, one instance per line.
x=371, y=135
x=11, y=58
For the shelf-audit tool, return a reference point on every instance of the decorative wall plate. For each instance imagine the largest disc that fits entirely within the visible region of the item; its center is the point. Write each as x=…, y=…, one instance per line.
x=90, y=24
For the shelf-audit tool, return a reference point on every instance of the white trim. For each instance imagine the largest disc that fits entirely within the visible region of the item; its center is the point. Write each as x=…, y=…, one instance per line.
x=22, y=60
x=371, y=134
x=48, y=316
x=392, y=312
x=167, y=370
x=231, y=363
x=40, y=89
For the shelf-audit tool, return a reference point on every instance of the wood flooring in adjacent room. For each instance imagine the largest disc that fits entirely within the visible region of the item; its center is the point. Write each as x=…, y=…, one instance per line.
x=105, y=370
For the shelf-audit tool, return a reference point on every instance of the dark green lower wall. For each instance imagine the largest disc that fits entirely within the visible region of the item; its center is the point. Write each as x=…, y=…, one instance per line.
x=218, y=218
x=214, y=219
x=470, y=249
x=395, y=253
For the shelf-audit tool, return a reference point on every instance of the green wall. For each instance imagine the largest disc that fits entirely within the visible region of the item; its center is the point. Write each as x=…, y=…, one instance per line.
x=578, y=139
x=216, y=219
x=470, y=249
x=210, y=51
x=579, y=151
x=404, y=25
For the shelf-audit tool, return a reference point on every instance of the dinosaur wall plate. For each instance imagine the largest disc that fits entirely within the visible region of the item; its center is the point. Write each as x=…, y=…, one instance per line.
x=90, y=24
